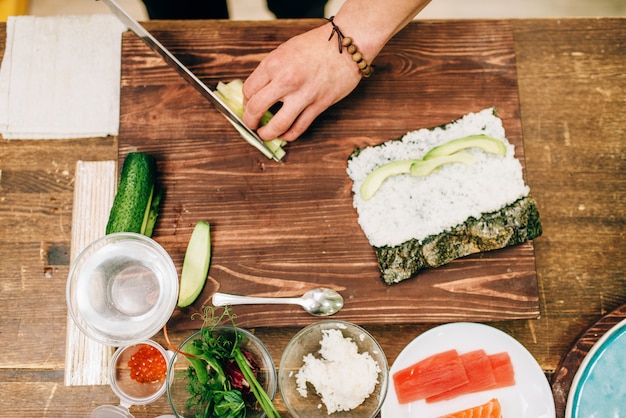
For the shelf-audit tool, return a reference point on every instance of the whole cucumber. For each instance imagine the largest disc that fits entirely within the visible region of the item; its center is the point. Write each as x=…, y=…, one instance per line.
x=133, y=201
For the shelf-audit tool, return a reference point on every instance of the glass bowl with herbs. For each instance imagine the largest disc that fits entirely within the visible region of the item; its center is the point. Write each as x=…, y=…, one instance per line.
x=222, y=371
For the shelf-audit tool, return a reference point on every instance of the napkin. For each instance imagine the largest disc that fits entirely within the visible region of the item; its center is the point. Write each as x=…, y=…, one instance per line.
x=60, y=77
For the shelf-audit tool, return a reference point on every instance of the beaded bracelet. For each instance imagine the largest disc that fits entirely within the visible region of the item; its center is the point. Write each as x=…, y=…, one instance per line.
x=346, y=42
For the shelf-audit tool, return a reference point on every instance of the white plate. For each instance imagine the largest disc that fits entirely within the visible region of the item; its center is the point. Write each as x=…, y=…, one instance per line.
x=598, y=388
x=531, y=397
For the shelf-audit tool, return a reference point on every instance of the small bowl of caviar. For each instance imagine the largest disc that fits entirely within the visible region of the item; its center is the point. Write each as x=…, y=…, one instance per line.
x=137, y=375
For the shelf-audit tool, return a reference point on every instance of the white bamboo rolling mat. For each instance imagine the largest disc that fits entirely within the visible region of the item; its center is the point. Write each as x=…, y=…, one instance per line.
x=87, y=361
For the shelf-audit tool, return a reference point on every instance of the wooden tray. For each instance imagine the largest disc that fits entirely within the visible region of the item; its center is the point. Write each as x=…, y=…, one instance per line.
x=280, y=229
x=566, y=371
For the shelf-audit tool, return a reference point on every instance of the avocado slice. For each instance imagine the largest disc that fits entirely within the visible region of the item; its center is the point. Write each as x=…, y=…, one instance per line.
x=375, y=179
x=425, y=167
x=484, y=142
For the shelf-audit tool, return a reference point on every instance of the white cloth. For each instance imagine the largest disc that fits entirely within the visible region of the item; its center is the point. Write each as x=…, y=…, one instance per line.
x=60, y=77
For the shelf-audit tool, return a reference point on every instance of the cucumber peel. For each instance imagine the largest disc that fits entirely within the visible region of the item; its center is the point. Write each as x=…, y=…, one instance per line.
x=484, y=142
x=417, y=167
x=195, y=264
x=232, y=95
x=135, y=206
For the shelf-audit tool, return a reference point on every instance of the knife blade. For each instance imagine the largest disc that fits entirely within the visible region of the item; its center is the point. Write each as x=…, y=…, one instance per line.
x=248, y=134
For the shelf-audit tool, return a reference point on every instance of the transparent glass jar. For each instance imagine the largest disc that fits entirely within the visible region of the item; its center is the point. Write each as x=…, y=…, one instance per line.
x=130, y=391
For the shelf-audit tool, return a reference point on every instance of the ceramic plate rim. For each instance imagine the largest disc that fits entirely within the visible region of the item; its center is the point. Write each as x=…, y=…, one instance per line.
x=493, y=340
x=599, y=345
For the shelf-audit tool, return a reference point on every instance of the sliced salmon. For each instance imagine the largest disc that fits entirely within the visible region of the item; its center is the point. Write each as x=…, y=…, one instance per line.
x=429, y=377
x=502, y=369
x=479, y=372
x=491, y=409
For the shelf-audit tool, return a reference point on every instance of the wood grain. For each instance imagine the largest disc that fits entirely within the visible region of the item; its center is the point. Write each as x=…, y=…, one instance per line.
x=280, y=229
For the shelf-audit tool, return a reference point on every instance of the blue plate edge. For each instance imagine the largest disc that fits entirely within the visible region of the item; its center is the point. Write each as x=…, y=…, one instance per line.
x=587, y=365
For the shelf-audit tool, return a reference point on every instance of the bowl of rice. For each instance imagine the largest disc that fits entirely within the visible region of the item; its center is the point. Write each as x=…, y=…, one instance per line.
x=333, y=368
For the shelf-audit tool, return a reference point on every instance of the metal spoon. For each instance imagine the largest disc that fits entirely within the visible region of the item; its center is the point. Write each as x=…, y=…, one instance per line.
x=320, y=301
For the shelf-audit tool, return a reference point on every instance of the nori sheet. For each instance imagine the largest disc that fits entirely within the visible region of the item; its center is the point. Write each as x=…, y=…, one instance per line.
x=511, y=225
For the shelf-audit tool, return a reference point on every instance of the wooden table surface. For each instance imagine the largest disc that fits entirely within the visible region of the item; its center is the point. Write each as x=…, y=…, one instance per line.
x=572, y=88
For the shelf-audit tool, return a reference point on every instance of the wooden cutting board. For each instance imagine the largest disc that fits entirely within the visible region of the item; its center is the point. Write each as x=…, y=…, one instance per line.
x=279, y=229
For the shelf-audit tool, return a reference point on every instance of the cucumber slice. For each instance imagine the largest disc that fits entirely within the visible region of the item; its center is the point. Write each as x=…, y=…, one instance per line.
x=484, y=142
x=195, y=265
x=133, y=201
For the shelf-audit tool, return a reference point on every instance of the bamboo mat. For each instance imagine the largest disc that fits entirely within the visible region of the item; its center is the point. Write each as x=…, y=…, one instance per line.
x=87, y=361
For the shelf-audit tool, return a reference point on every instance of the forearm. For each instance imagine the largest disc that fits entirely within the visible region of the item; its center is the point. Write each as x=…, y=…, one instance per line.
x=372, y=23
x=307, y=74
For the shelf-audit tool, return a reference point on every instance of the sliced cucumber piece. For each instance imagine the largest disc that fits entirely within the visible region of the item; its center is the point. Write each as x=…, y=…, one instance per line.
x=195, y=264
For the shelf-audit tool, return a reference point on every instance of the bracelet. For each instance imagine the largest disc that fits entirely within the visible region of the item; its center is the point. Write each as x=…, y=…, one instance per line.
x=346, y=42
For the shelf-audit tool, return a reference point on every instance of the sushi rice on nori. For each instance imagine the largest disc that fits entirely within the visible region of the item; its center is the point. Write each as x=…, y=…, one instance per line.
x=417, y=222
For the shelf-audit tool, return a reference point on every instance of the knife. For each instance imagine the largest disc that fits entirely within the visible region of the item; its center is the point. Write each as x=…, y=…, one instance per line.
x=248, y=134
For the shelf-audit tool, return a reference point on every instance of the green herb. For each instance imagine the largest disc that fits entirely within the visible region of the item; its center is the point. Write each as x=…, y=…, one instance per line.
x=212, y=376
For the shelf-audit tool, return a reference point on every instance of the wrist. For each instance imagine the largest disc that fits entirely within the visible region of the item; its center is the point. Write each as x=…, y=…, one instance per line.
x=346, y=43
x=366, y=37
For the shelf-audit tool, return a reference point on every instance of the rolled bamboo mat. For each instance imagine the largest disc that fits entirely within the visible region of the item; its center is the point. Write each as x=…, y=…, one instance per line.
x=87, y=361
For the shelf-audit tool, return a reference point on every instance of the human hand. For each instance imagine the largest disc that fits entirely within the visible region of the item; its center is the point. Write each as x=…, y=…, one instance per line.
x=306, y=74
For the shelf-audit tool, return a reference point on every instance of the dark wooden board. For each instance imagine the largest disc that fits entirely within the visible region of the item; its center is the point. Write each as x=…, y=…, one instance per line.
x=564, y=375
x=280, y=229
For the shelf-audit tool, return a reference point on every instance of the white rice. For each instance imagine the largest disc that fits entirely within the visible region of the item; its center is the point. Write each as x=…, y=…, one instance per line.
x=342, y=376
x=413, y=207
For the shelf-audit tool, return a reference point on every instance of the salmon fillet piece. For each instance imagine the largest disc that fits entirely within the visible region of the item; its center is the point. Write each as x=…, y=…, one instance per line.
x=491, y=409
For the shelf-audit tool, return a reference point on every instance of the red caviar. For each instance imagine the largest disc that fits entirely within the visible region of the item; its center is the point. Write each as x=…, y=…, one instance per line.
x=147, y=365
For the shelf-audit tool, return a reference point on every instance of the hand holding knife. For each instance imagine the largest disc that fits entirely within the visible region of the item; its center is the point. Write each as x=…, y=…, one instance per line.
x=248, y=134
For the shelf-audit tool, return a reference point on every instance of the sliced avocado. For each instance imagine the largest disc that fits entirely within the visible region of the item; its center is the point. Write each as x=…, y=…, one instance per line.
x=425, y=167
x=484, y=142
x=195, y=264
x=375, y=179
x=232, y=95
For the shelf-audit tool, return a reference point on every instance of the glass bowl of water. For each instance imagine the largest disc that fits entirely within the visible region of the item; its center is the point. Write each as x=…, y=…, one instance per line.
x=122, y=289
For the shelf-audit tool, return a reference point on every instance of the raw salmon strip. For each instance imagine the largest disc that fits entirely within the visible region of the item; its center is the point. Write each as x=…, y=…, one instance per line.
x=430, y=376
x=502, y=369
x=479, y=372
x=491, y=409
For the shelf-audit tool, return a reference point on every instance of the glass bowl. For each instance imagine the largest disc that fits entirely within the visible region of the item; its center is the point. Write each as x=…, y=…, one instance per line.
x=137, y=376
x=178, y=381
x=122, y=289
x=338, y=375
